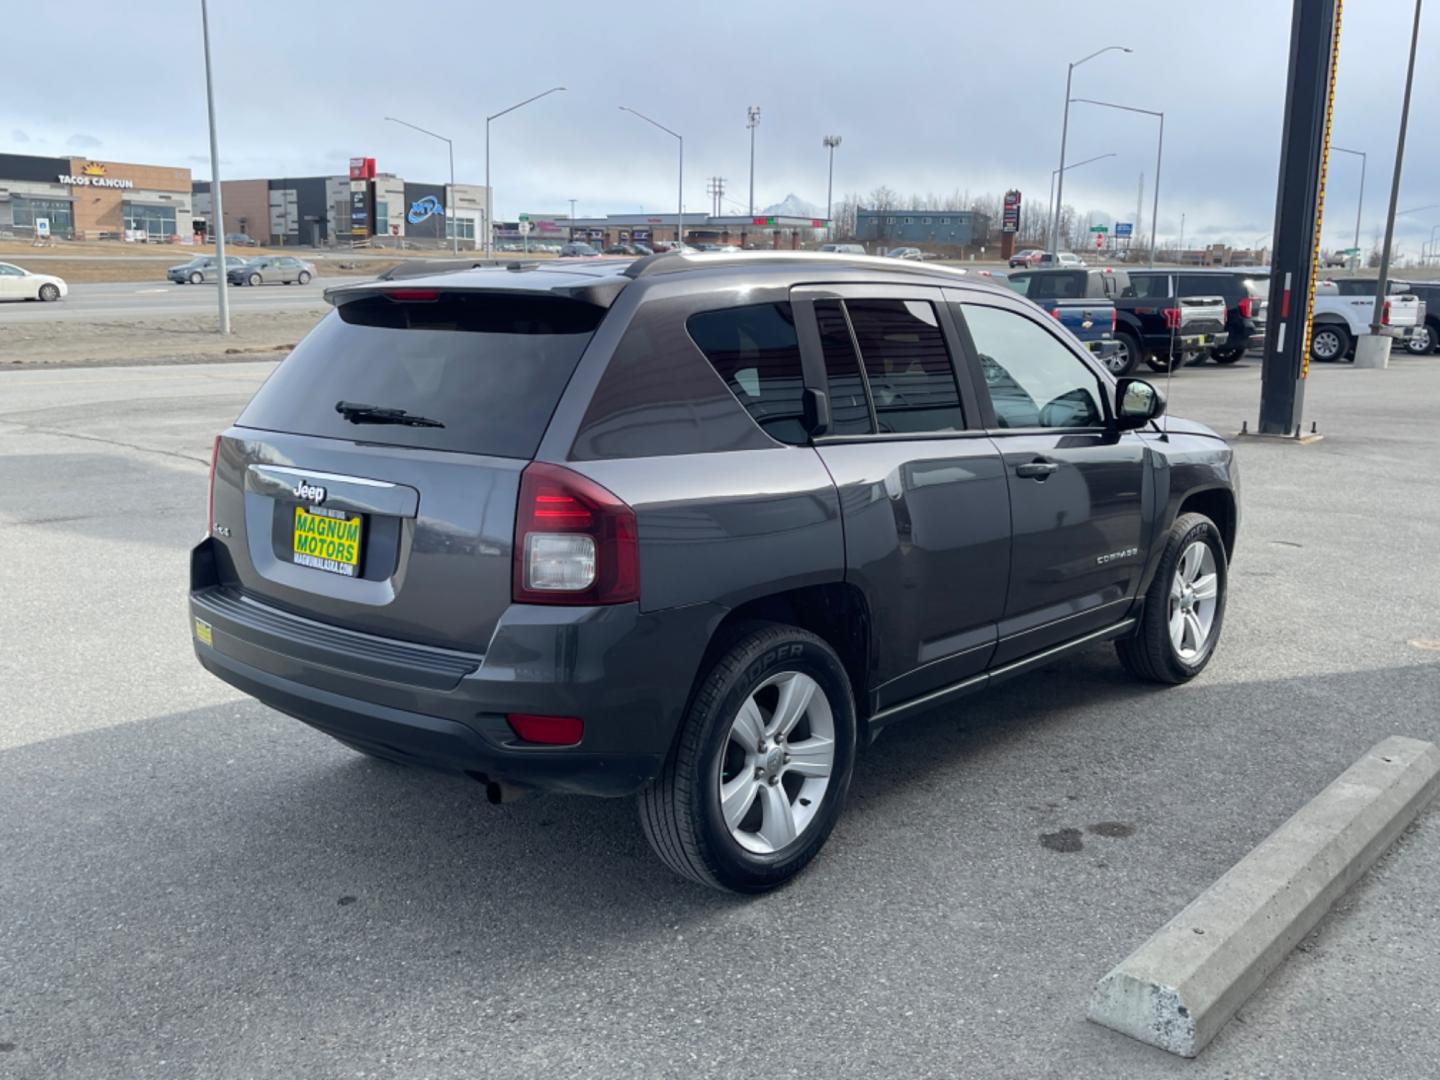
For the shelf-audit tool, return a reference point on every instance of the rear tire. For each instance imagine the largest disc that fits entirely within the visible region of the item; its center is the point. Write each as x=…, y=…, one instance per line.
x=1185, y=606
x=1163, y=361
x=1129, y=348
x=1329, y=342
x=751, y=789
x=253, y=279
x=304, y=277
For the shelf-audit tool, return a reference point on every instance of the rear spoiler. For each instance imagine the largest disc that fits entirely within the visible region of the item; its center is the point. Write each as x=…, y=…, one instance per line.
x=408, y=268
x=599, y=291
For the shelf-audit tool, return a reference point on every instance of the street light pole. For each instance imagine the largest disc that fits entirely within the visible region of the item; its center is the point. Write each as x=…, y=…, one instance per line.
x=1159, y=152
x=752, y=122
x=1073, y=165
x=680, y=211
x=452, y=225
x=217, y=210
x=831, y=142
x=1360, y=202
x=1064, y=132
x=1382, y=284
x=489, y=201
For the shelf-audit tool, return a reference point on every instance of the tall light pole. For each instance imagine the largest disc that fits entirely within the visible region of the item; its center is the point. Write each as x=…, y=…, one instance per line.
x=1159, y=150
x=680, y=211
x=752, y=121
x=1382, y=284
x=831, y=142
x=217, y=211
x=1073, y=165
x=452, y=226
x=1431, y=246
x=1360, y=202
x=489, y=201
x=1065, y=130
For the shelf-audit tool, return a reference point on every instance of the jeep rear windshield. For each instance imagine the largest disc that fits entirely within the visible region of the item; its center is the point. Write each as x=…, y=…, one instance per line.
x=489, y=367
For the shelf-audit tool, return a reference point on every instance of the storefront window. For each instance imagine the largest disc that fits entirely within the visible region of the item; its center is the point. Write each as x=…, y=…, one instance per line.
x=157, y=222
x=25, y=210
x=465, y=225
x=382, y=218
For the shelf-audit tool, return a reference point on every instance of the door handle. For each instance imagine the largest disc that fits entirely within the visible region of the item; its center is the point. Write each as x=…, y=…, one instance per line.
x=1038, y=469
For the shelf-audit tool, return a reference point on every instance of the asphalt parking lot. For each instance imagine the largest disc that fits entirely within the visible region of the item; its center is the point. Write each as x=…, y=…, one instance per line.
x=193, y=885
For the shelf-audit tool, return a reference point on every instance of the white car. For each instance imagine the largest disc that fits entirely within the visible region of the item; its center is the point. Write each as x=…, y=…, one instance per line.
x=18, y=284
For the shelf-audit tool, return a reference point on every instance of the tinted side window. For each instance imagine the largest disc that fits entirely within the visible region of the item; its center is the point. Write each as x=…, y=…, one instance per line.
x=1209, y=285
x=1064, y=285
x=755, y=350
x=1034, y=380
x=1150, y=286
x=907, y=364
x=849, y=403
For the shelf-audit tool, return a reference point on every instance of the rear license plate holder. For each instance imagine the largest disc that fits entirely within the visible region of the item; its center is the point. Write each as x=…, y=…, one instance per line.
x=327, y=540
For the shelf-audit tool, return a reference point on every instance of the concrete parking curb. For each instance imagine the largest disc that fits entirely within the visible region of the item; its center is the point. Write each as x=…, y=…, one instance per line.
x=1179, y=988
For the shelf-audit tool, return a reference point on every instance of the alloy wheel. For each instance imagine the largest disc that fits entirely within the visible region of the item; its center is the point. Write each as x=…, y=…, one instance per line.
x=1119, y=361
x=1325, y=344
x=1194, y=597
x=776, y=764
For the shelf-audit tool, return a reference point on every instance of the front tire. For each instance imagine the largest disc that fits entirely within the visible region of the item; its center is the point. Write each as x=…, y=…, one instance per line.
x=759, y=772
x=49, y=293
x=1329, y=342
x=1184, y=608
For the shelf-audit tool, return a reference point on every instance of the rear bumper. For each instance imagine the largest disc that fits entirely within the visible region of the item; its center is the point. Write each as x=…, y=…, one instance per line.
x=626, y=674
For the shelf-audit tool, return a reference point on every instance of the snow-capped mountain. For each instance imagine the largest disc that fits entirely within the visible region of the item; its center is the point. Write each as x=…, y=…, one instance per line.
x=794, y=206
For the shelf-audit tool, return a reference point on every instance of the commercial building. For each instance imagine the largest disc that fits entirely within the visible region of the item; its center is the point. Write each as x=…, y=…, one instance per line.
x=76, y=198
x=923, y=228
x=321, y=211
x=775, y=231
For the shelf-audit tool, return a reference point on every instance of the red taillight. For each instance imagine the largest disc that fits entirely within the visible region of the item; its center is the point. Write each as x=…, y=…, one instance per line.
x=1055, y=313
x=1172, y=318
x=548, y=730
x=1385, y=314
x=1247, y=307
x=413, y=296
x=575, y=542
x=210, y=496
x=1114, y=319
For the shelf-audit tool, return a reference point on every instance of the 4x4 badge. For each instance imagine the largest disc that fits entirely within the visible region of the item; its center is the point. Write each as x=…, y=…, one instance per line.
x=310, y=492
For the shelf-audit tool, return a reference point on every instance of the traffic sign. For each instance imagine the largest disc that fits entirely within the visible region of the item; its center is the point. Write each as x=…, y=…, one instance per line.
x=1099, y=241
x=1124, y=228
x=524, y=217
x=1100, y=228
x=524, y=224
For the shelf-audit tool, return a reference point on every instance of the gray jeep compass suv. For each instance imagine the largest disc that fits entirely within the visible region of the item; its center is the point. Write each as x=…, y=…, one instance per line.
x=694, y=528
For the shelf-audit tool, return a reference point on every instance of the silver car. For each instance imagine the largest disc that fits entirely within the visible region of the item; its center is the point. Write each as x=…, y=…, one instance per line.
x=201, y=268
x=273, y=270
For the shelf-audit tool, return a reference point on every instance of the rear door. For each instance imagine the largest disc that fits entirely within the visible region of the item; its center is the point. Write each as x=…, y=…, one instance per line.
x=922, y=492
x=1078, y=489
x=400, y=530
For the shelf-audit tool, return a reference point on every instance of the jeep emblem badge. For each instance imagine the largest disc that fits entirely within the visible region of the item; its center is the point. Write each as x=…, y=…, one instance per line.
x=309, y=492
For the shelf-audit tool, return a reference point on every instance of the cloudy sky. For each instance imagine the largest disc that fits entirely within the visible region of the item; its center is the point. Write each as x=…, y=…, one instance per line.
x=928, y=97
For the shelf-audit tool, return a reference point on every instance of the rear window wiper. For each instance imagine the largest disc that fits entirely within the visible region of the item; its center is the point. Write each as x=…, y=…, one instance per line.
x=358, y=413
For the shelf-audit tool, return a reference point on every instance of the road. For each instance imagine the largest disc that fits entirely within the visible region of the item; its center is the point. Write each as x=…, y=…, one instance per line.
x=194, y=885
x=143, y=300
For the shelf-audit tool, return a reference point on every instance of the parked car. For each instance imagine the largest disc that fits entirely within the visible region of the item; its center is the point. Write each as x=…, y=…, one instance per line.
x=577, y=249
x=201, y=268
x=1246, y=294
x=1168, y=323
x=1337, y=320
x=843, y=249
x=1427, y=340
x=912, y=253
x=643, y=249
x=621, y=249
x=240, y=240
x=1082, y=301
x=547, y=575
x=1028, y=257
x=272, y=270
x=17, y=283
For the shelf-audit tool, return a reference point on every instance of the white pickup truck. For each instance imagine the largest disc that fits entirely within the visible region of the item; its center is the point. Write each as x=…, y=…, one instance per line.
x=1337, y=320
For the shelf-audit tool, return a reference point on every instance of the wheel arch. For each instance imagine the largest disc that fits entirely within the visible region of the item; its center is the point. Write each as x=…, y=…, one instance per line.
x=1218, y=504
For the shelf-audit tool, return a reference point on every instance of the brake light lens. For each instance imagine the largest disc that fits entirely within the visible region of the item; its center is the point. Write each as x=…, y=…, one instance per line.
x=413, y=296
x=1172, y=318
x=1114, y=319
x=1247, y=307
x=1385, y=314
x=210, y=495
x=575, y=542
x=547, y=730
x=1055, y=313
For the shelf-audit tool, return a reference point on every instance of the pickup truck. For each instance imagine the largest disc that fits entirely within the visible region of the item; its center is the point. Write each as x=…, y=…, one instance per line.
x=1428, y=292
x=1149, y=320
x=1083, y=308
x=1337, y=320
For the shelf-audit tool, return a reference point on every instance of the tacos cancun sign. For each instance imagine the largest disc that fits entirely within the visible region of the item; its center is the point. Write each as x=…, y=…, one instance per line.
x=96, y=181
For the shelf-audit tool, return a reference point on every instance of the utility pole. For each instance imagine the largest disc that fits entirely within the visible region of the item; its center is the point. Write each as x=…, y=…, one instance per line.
x=1139, y=208
x=831, y=142
x=715, y=188
x=217, y=211
x=752, y=122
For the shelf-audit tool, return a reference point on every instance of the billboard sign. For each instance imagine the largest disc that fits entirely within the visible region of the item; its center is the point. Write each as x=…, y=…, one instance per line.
x=1010, y=216
x=362, y=168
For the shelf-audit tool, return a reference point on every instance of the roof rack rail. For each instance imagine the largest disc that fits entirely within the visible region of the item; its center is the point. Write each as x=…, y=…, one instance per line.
x=674, y=262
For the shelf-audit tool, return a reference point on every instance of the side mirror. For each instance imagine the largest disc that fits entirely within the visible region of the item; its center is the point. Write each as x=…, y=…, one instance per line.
x=814, y=412
x=1137, y=402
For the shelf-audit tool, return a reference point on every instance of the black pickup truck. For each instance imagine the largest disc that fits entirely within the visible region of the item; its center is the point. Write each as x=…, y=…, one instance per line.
x=1149, y=321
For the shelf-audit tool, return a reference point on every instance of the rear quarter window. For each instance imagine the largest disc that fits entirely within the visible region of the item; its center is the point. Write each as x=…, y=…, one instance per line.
x=488, y=367
x=754, y=348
